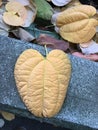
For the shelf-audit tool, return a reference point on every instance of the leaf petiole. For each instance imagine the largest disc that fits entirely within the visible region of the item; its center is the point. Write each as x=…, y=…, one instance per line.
x=46, y=50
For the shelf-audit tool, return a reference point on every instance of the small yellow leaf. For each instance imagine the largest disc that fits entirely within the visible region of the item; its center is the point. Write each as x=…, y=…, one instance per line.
x=20, y=13
x=7, y=116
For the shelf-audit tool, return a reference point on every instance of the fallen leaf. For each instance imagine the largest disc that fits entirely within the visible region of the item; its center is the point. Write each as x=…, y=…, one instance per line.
x=31, y=11
x=16, y=14
x=44, y=9
x=76, y=24
x=53, y=43
x=4, y=28
x=23, y=34
x=90, y=47
x=92, y=57
x=36, y=32
x=79, y=54
x=8, y=116
x=31, y=14
x=60, y=2
x=36, y=75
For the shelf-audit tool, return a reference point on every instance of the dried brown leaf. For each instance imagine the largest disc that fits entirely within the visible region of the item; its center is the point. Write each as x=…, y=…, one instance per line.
x=52, y=42
x=92, y=57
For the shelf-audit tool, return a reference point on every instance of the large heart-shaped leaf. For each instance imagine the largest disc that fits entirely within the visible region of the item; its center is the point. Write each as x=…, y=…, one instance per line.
x=42, y=81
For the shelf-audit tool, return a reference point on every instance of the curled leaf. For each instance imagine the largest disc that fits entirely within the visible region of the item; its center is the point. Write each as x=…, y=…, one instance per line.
x=90, y=47
x=43, y=81
x=16, y=14
x=30, y=9
x=52, y=42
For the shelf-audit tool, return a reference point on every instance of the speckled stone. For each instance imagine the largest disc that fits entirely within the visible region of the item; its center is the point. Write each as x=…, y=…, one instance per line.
x=80, y=109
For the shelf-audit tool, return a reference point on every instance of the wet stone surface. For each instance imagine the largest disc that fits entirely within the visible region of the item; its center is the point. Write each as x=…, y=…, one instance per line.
x=80, y=109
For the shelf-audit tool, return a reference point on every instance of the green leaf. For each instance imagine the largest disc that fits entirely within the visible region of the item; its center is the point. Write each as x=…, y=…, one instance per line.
x=36, y=32
x=44, y=10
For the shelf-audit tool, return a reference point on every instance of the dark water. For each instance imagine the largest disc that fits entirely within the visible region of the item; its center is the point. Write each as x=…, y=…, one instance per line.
x=21, y=123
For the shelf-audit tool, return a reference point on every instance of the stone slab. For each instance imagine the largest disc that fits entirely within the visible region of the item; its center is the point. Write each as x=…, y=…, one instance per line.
x=80, y=109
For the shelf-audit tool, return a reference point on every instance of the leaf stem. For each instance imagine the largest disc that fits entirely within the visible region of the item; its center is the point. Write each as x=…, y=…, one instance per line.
x=49, y=26
x=46, y=50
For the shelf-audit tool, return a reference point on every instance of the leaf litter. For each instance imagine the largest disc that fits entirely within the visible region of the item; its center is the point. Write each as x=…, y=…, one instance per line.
x=19, y=20
x=12, y=20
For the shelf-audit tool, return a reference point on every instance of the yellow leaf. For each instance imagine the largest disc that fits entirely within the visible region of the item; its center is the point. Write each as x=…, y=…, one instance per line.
x=16, y=14
x=79, y=32
x=43, y=81
x=76, y=13
x=77, y=24
x=7, y=116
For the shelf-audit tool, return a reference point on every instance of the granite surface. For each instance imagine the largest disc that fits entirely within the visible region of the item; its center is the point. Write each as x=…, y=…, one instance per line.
x=80, y=109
